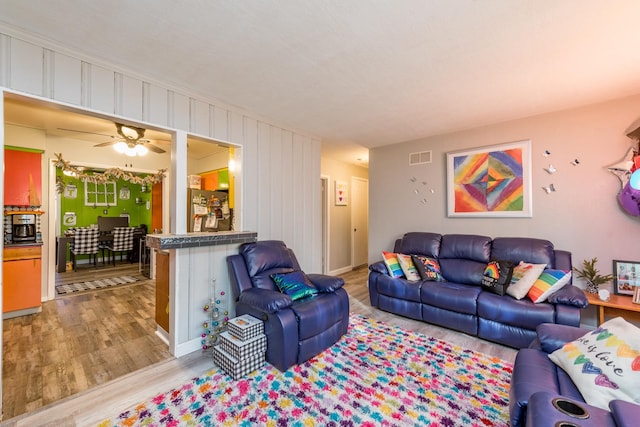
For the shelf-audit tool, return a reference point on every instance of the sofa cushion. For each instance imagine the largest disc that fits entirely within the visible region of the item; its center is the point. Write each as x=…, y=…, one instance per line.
x=428, y=268
x=463, y=257
x=524, y=276
x=605, y=363
x=391, y=261
x=508, y=311
x=296, y=284
x=266, y=255
x=456, y=297
x=408, y=268
x=548, y=283
x=516, y=249
x=399, y=288
x=420, y=243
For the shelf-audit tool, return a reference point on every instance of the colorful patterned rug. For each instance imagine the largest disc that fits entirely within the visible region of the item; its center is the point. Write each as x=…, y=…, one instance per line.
x=377, y=375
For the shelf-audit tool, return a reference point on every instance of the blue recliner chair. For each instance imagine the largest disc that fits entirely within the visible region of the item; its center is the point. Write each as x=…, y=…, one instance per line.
x=296, y=330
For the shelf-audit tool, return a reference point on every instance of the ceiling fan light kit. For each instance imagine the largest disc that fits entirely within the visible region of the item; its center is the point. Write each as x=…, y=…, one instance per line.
x=130, y=149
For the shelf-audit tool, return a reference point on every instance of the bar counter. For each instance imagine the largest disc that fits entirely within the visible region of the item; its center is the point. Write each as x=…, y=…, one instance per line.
x=193, y=240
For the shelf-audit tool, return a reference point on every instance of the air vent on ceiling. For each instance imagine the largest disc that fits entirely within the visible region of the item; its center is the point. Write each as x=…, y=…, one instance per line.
x=420, y=158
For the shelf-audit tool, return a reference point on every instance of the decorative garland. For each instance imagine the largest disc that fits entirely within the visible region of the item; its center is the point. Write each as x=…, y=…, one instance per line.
x=109, y=174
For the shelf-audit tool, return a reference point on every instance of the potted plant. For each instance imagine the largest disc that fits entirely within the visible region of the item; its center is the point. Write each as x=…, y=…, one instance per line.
x=592, y=275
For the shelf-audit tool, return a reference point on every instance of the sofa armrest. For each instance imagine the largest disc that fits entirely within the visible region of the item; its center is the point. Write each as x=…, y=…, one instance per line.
x=379, y=267
x=569, y=295
x=265, y=300
x=552, y=336
x=325, y=283
x=625, y=414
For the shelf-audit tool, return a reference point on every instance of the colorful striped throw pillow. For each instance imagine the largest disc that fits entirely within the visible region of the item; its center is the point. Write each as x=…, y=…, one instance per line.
x=391, y=261
x=549, y=282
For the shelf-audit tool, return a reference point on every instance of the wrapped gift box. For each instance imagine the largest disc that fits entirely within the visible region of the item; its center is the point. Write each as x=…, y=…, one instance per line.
x=234, y=367
x=245, y=327
x=243, y=349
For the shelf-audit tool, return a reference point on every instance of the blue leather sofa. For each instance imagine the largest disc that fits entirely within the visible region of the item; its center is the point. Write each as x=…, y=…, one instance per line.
x=537, y=383
x=296, y=330
x=460, y=303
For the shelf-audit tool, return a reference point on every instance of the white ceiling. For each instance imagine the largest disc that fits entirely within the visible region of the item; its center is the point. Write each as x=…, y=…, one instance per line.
x=361, y=73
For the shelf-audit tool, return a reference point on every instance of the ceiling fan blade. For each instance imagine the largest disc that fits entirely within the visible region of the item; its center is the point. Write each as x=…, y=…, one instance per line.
x=84, y=131
x=106, y=144
x=154, y=148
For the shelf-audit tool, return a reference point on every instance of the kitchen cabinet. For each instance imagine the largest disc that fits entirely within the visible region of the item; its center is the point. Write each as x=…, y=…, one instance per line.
x=21, y=280
x=22, y=177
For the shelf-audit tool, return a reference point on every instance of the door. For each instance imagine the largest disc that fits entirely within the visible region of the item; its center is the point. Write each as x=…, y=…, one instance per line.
x=359, y=222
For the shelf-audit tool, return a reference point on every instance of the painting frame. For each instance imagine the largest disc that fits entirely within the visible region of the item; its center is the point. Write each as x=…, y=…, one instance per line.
x=341, y=193
x=626, y=277
x=490, y=181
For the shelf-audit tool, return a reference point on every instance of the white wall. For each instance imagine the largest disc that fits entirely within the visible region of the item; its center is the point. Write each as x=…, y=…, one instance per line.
x=582, y=216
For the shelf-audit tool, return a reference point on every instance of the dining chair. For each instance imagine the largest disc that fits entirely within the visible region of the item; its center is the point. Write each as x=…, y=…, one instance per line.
x=85, y=242
x=122, y=242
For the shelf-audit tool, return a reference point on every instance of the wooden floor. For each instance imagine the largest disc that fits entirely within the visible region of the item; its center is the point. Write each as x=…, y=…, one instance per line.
x=109, y=398
x=79, y=341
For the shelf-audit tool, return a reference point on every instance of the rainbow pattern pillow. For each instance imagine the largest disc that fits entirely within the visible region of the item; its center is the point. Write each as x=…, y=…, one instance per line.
x=604, y=364
x=523, y=278
x=547, y=283
x=391, y=261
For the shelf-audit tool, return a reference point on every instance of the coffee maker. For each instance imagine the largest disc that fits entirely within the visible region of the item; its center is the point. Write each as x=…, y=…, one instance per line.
x=24, y=228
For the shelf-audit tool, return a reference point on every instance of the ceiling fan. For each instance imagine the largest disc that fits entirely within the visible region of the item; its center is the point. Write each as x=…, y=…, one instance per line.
x=129, y=141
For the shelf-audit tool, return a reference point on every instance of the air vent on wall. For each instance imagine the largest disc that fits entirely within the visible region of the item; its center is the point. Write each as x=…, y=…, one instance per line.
x=420, y=158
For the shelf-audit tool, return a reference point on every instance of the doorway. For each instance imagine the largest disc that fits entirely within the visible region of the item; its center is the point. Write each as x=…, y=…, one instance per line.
x=359, y=222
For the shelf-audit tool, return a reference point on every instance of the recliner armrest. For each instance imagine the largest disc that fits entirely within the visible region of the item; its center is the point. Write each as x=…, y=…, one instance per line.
x=379, y=267
x=325, y=283
x=552, y=336
x=569, y=295
x=625, y=414
x=265, y=300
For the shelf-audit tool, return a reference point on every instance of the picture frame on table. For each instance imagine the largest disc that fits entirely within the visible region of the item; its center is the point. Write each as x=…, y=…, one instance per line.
x=492, y=181
x=626, y=277
x=636, y=295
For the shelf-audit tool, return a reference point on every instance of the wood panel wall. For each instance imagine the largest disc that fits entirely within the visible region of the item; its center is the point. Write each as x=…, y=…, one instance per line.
x=280, y=167
x=278, y=176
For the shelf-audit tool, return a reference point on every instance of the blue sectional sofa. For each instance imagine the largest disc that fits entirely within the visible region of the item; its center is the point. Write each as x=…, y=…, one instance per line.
x=460, y=303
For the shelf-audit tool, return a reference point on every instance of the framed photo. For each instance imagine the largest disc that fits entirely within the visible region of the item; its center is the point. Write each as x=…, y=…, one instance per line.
x=626, y=277
x=636, y=295
x=492, y=181
x=341, y=193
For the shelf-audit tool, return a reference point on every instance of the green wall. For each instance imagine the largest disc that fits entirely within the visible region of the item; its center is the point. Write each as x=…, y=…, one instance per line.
x=87, y=215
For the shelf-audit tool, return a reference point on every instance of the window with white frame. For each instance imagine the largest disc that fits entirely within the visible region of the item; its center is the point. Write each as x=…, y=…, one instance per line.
x=103, y=194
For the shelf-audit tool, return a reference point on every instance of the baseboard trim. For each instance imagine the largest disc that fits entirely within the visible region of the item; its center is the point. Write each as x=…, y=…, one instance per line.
x=340, y=271
x=188, y=347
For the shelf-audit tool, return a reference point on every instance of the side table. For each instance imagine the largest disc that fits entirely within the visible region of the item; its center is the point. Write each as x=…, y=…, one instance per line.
x=618, y=305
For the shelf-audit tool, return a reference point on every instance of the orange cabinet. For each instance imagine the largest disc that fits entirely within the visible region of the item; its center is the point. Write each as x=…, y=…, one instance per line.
x=21, y=278
x=22, y=177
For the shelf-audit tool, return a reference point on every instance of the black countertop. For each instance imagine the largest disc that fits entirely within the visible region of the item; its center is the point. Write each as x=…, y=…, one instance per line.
x=191, y=240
